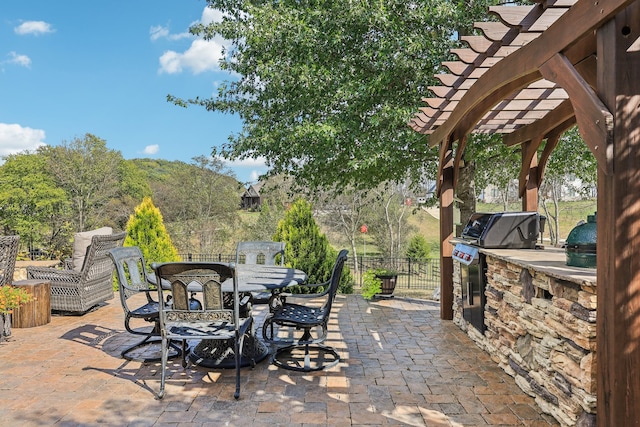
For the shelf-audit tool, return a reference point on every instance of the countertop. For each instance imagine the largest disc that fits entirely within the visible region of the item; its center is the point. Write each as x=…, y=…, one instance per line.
x=550, y=261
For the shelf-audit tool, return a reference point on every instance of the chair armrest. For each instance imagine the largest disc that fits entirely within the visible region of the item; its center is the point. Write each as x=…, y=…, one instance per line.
x=310, y=295
x=53, y=274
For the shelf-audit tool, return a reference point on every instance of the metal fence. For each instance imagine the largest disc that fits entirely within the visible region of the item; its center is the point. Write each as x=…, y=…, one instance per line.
x=412, y=274
x=208, y=257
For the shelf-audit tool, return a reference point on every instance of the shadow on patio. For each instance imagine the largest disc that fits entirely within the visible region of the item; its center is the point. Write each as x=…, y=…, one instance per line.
x=401, y=365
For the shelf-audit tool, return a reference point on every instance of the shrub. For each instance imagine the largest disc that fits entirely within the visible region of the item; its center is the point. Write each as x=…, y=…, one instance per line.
x=12, y=297
x=307, y=248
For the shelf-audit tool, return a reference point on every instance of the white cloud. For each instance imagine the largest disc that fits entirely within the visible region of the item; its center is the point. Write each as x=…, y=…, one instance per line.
x=33, y=27
x=151, y=149
x=202, y=55
x=260, y=162
x=160, y=32
x=254, y=176
x=210, y=15
x=15, y=138
x=17, y=59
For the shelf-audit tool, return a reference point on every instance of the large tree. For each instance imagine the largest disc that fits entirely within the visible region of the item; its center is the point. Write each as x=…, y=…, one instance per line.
x=325, y=89
x=31, y=204
x=89, y=173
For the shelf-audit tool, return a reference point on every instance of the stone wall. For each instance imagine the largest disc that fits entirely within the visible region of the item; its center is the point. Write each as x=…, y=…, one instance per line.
x=542, y=331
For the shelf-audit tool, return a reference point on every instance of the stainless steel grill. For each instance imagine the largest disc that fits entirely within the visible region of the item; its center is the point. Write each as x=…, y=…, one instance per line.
x=502, y=230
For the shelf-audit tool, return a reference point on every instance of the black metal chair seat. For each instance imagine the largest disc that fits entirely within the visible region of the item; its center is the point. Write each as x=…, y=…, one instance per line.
x=203, y=330
x=305, y=353
x=148, y=312
x=300, y=316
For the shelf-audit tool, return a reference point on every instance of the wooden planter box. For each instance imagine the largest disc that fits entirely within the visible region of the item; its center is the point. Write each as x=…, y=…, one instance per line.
x=388, y=283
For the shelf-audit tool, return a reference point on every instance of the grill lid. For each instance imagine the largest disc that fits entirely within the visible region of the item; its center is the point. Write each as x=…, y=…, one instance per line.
x=503, y=230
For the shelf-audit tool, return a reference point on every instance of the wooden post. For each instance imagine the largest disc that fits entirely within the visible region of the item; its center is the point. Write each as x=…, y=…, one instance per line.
x=446, y=234
x=530, y=170
x=618, y=241
x=37, y=312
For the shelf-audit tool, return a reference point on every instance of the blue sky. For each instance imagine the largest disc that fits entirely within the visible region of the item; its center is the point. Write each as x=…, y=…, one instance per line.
x=73, y=67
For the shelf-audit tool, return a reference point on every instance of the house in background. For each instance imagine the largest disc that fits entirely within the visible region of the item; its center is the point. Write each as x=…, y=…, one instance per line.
x=251, y=197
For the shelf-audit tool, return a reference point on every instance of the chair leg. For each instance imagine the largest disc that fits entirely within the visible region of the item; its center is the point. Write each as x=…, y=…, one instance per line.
x=237, y=350
x=164, y=358
x=184, y=353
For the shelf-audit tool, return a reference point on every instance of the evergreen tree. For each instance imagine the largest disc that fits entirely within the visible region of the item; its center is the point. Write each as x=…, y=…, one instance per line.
x=418, y=249
x=146, y=230
x=307, y=248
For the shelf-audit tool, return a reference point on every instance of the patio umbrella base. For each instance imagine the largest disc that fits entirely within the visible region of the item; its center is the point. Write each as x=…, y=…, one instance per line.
x=219, y=353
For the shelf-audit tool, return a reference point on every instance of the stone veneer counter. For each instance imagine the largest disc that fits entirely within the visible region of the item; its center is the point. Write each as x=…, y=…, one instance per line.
x=540, y=318
x=550, y=261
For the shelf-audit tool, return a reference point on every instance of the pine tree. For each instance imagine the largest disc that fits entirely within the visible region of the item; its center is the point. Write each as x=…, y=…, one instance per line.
x=146, y=230
x=307, y=248
x=418, y=249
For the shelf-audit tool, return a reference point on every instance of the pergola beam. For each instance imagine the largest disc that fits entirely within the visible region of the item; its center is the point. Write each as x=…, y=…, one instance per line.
x=522, y=66
x=593, y=117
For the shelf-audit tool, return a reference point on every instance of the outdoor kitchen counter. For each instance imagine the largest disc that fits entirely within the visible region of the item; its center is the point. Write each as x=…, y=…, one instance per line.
x=549, y=261
x=539, y=326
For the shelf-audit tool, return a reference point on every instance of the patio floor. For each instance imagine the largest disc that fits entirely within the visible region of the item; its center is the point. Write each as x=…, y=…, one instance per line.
x=401, y=365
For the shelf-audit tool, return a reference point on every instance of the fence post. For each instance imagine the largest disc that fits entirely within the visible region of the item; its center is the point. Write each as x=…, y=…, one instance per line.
x=409, y=275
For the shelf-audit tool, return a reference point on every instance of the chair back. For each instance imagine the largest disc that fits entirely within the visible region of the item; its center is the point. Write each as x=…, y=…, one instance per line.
x=180, y=279
x=256, y=252
x=98, y=265
x=334, y=282
x=130, y=271
x=8, y=255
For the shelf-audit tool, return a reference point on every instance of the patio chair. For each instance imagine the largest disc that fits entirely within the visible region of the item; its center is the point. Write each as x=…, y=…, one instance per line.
x=8, y=255
x=209, y=320
x=133, y=280
x=294, y=316
x=77, y=291
x=260, y=252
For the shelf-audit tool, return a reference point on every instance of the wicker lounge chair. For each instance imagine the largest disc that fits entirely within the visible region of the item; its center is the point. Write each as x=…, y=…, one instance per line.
x=78, y=291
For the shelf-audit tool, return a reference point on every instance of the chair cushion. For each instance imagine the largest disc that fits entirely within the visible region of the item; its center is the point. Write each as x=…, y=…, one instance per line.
x=81, y=242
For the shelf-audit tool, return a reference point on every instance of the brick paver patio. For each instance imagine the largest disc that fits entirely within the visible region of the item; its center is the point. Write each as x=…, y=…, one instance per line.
x=401, y=366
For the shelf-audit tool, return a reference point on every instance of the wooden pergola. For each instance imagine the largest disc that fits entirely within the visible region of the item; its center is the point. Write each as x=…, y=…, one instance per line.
x=531, y=76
